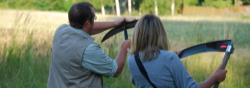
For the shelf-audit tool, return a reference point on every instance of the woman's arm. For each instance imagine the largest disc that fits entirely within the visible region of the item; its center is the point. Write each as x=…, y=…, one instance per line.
x=218, y=76
x=181, y=77
x=184, y=80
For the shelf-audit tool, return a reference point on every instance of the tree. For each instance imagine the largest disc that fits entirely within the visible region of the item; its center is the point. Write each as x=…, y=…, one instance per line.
x=117, y=5
x=156, y=7
x=173, y=7
x=103, y=8
x=129, y=7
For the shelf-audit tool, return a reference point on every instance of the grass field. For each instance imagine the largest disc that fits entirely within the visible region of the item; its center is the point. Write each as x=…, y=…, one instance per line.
x=25, y=49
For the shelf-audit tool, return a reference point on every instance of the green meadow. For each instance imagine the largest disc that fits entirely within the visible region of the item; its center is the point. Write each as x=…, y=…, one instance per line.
x=25, y=50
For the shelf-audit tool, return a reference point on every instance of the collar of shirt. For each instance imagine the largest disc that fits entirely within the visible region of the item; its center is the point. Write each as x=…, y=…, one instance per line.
x=83, y=33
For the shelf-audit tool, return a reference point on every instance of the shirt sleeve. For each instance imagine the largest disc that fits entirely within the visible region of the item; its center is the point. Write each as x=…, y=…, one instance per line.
x=180, y=74
x=96, y=60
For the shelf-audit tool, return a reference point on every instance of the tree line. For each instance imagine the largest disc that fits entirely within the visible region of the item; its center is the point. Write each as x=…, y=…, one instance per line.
x=118, y=7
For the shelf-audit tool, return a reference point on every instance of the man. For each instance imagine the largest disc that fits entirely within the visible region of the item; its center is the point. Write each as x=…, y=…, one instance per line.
x=77, y=61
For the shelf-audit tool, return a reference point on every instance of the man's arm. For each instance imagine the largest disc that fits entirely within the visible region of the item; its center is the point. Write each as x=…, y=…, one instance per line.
x=121, y=57
x=94, y=59
x=102, y=26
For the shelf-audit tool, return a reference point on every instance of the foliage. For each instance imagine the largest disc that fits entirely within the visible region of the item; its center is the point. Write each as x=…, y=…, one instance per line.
x=246, y=2
x=148, y=6
x=58, y=5
x=218, y=3
x=210, y=3
x=97, y=3
x=190, y=2
x=143, y=6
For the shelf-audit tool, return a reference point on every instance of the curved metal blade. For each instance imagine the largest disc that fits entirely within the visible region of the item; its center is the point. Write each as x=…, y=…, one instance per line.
x=120, y=28
x=215, y=46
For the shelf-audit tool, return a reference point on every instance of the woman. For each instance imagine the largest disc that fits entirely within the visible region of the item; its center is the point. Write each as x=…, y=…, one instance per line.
x=163, y=67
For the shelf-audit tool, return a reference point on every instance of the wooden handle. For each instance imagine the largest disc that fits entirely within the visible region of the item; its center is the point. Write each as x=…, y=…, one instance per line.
x=125, y=34
x=223, y=66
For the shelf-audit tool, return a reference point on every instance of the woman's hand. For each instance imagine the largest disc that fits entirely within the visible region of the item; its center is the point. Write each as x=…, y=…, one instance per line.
x=220, y=75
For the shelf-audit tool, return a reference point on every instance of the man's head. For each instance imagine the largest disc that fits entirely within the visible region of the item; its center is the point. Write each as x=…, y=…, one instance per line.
x=81, y=16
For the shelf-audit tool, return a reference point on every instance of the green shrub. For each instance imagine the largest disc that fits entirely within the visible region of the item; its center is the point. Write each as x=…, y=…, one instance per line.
x=218, y=3
x=190, y=2
x=58, y=5
x=246, y=2
x=148, y=6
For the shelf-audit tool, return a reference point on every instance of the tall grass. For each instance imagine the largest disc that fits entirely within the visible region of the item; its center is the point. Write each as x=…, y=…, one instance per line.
x=22, y=67
x=187, y=33
x=25, y=53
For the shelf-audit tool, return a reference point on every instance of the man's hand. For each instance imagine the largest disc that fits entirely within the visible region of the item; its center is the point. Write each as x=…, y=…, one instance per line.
x=125, y=45
x=102, y=26
x=119, y=21
x=121, y=57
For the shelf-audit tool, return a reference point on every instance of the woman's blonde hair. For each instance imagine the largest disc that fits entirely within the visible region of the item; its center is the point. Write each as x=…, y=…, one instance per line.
x=149, y=37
